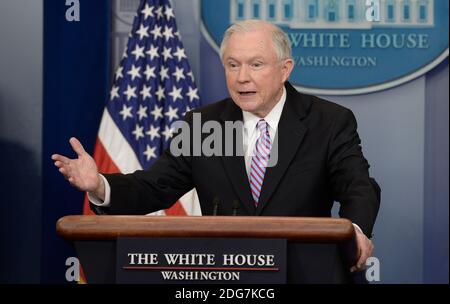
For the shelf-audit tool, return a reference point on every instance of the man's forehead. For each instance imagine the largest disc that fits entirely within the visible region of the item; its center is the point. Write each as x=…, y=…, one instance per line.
x=250, y=42
x=260, y=34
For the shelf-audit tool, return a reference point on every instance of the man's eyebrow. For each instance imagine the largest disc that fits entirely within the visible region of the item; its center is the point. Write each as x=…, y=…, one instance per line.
x=249, y=59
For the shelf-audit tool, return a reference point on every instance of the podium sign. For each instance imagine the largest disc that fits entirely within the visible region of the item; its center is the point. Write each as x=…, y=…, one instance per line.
x=217, y=249
x=201, y=261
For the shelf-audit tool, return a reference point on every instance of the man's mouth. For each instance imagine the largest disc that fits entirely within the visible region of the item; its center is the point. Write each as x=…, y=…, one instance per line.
x=246, y=93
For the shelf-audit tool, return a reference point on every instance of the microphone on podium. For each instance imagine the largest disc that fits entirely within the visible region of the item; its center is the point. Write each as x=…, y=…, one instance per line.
x=235, y=207
x=216, y=203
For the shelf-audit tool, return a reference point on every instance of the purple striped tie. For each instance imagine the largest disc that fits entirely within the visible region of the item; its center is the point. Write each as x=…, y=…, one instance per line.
x=260, y=159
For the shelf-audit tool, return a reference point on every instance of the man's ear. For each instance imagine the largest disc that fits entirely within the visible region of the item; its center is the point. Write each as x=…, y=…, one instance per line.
x=287, y=66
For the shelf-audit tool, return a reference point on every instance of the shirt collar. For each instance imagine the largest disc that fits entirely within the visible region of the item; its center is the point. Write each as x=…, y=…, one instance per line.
x=250, y=119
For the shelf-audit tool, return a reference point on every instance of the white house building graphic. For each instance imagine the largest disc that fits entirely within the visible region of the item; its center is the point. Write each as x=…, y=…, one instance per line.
x=350, y=14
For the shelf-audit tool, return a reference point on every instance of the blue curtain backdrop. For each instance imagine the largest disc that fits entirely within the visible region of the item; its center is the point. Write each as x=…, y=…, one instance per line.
x=76, y=84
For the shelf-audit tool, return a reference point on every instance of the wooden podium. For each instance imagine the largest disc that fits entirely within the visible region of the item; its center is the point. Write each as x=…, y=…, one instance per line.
x=308, y=239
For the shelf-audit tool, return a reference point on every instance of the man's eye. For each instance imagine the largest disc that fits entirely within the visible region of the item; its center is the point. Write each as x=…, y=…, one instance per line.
x=257, y=65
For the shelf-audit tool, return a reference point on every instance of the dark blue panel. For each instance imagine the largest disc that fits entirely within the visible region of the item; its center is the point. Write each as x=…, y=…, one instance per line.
x=76, y=61
x=436, y=201
x=20, y=214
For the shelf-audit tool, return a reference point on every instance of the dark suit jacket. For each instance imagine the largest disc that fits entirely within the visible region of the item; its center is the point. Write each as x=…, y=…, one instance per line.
x=320, y=161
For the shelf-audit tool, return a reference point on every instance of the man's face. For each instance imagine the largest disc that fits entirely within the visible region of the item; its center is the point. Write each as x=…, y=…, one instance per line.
x=255, y=76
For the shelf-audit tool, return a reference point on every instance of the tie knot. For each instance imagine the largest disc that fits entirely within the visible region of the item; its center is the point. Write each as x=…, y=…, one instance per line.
x=262, y=125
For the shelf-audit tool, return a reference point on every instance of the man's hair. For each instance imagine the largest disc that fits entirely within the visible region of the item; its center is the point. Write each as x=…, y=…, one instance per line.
x=279, y=37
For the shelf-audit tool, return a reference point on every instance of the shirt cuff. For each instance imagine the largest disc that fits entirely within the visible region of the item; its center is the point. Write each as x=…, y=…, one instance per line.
x=354, y=225
x=98, y=202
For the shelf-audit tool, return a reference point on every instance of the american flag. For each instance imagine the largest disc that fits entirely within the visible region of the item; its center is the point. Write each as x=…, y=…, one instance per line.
x=153, y=87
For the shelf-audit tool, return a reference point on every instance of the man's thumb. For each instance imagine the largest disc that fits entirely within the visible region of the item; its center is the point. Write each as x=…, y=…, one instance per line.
x=77, y=146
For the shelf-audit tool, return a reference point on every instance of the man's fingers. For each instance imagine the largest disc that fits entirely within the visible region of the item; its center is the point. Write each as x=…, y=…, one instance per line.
x=61, y=158
x=72, y=181
x=77, y=146
x=367, y=253
x=64, y=172
x=365, y=250
x=362, y=261
x=360, y=264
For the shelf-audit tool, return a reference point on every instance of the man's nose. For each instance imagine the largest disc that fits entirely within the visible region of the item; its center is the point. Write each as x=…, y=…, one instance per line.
x=243, y=74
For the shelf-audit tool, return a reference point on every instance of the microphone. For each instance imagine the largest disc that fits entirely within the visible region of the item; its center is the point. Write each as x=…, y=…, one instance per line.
x=235, y=207
x=216, y=203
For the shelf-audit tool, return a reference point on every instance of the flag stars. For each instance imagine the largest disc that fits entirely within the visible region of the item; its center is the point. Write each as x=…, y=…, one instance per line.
x=142, y=32
x=176, y=93
x=153, y=132
x=126, y=112
x=157, y=112
x=138, y=52
x=179, y=73
x=156, y=32
x=138, y=132
x=168, y=133
x=172, y=113
x=159, y=12
x=130, y=92
x=119, y=73
x=190, y=74
x=187, y=110
x=169, y=13
x=167, y=53
x=193, y=94
x=168, y=33
x=152, y=52
x=145, y=92
x=134, y=72
x=114, y=93
x=150, y=153
x=149, y=72
x=164, y=73
x=180, y=53
x=142, y=112
x=152, y=87
x=160, y=93
x=147, y=11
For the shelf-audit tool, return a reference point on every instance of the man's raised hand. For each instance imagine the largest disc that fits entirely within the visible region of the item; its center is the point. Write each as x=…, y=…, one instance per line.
x=81, y=172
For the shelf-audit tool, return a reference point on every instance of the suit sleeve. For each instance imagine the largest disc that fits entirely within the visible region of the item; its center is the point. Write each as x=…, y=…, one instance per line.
x=146, y=191
x=358, y=194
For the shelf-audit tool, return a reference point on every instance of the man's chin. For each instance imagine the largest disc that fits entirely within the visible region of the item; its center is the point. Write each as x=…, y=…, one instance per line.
x=248, y=109
x=247, y=104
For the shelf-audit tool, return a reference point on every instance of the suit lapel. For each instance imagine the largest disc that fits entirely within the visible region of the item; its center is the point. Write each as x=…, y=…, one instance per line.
x=290, y=133
x=235, y=165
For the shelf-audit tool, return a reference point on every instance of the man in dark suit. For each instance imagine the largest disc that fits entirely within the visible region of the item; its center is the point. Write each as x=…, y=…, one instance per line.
x=314, y=144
